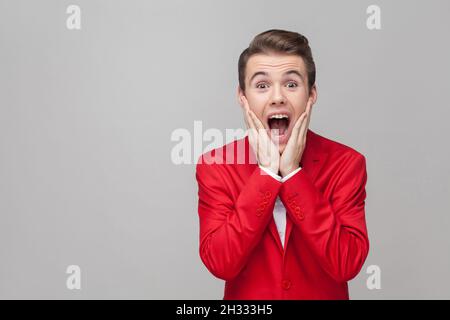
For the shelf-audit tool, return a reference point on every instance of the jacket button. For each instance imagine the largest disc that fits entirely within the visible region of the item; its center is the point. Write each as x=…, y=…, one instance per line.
x=268, y=194
x=301, y=216
x=286, y=284
x=297, y=209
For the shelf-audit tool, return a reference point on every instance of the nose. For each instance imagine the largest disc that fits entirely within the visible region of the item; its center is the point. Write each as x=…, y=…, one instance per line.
x=277, y=97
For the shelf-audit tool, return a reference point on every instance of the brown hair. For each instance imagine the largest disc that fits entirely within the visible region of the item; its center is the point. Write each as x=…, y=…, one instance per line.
x=278, y=41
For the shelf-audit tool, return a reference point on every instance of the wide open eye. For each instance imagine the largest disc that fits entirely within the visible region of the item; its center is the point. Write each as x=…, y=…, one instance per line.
x=292, y=84
x=262, y=85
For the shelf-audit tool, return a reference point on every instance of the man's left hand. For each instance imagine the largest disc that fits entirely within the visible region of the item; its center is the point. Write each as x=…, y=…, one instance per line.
x=292, y=154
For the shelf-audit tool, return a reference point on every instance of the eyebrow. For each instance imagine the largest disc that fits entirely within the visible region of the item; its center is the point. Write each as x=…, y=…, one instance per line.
x=262, y=73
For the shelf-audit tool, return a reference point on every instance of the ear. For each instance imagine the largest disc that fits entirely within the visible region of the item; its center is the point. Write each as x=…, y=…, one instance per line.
x=239, y=93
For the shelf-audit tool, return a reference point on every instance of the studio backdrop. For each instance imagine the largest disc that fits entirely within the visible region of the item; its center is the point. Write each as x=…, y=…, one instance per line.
x=98, y=97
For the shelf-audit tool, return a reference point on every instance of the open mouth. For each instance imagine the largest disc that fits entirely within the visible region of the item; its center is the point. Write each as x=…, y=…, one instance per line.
x=278, y=124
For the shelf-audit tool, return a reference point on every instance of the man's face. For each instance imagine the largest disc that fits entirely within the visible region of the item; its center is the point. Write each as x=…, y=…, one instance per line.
x=277, y=92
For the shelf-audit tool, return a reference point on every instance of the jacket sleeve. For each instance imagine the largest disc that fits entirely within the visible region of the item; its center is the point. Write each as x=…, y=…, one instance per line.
x=335, y=230
x=230, y=230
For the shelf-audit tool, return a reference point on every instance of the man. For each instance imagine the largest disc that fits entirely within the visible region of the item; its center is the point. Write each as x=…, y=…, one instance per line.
x=290, y=225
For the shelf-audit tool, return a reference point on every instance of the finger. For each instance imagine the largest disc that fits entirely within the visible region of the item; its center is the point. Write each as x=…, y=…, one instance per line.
x=244, y=111
x=305, y=125
x=246, y=119
x=251, y=120
x=253, y=117
x=253, y=132
x=245, y=102
x=248, y=112
x=254, y=125
x=298, y=125
x=256, y=121
x=293, y=139
x=264, y=139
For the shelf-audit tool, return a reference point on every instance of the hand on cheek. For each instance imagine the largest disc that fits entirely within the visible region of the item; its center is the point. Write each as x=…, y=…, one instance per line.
x=265, y=150
x=292, y=154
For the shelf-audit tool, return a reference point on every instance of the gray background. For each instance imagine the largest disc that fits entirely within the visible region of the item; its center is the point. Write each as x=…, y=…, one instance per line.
x=86, y=118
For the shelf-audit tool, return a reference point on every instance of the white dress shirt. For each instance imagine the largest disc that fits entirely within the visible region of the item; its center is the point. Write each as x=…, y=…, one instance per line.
x=279, y=211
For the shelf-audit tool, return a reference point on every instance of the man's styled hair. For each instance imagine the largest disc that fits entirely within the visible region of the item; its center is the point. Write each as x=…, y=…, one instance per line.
x=278, y=41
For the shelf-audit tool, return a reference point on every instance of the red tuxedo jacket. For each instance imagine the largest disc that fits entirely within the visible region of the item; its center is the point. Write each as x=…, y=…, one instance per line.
x=326, y=240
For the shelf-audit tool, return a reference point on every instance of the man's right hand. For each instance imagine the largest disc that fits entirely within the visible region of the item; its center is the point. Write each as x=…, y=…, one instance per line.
x=267, y=153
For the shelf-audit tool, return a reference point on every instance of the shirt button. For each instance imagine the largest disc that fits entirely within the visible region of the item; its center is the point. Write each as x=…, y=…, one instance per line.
x=286, y=284
x=268, y=194
x=301, y=216
x=297, y=209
